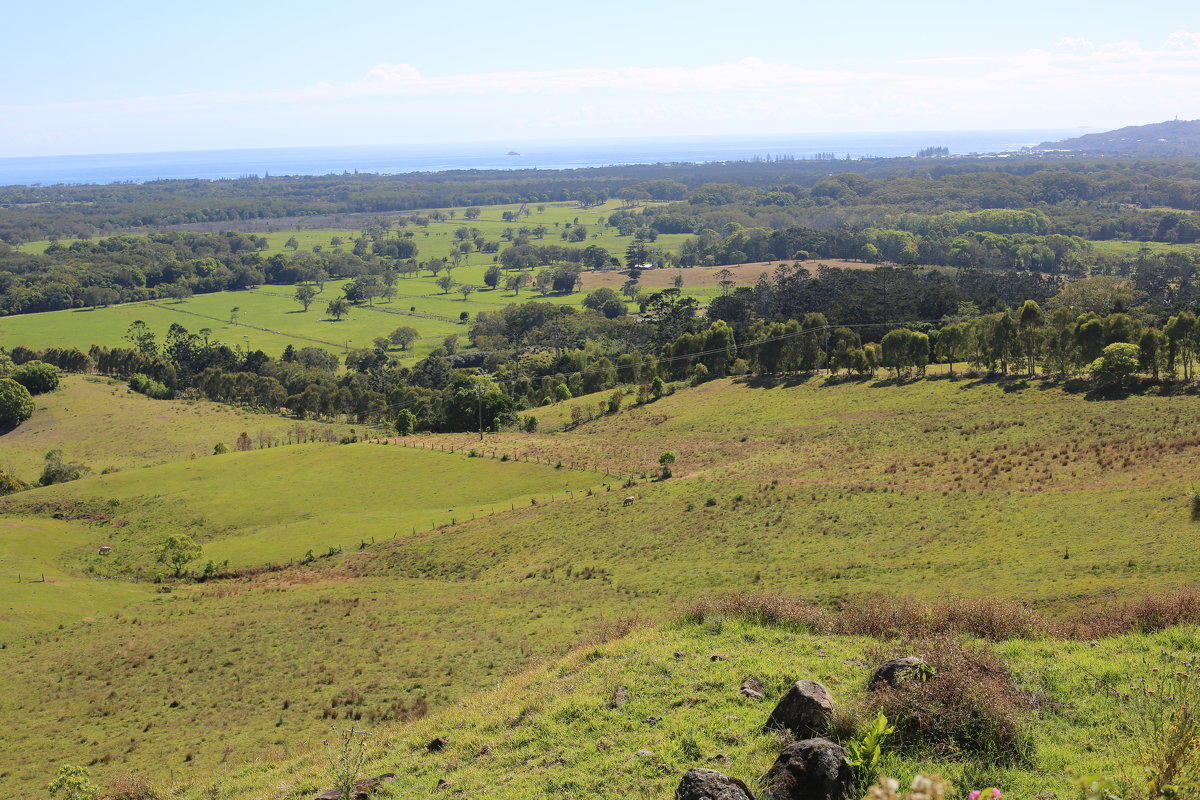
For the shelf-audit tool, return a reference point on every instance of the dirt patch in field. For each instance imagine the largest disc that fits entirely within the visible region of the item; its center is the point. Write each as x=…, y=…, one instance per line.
x=743, y=274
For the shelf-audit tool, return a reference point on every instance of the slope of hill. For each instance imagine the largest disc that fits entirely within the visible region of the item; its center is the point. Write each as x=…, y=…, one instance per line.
x=823, y=489
x=103, y=424
x=1172, y=138
x=274, y=505
x=627, y=718
x=39, y=593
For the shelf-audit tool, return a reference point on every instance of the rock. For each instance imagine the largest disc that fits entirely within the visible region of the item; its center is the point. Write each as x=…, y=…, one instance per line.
x=362, y=789
x=619, y=697
x=437, y=745
x=708, y=784
x=441, y=784
x=804, y=710
x=644, y=753
x=813, y=769
x=752, y=688
x=371, y=785
x=653, y=720
x=715, y=657
x=895, y=672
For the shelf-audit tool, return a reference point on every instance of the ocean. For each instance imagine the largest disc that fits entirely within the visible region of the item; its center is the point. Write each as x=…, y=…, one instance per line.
x=561, y=154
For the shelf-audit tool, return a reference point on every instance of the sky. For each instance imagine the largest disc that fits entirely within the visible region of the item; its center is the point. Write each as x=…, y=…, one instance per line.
x=139, y=76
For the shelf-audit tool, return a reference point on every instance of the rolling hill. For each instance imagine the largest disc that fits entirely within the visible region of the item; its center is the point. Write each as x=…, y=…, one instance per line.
x=823, y=489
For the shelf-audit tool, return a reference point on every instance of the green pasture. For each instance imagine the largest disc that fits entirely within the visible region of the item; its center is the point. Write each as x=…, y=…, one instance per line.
x=268, y=319
x=274, y=505
x=451, y=577
x=38, y=593
x=187, y=685
x=104, y=425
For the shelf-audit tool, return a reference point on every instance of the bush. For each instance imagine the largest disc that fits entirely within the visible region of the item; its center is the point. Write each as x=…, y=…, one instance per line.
x=970, y=707
x=144, y=384
x=56, y=470
x=16, y=404
x=10, y=484
x=37, y=376
x=131, y=787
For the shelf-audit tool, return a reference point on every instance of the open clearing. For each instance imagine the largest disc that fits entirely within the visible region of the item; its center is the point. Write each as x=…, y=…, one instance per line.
x=37, y=592
x=935, y=489
x=103, y=424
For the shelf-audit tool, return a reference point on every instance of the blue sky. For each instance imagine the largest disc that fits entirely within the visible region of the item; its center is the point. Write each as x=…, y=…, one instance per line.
x=142, y=76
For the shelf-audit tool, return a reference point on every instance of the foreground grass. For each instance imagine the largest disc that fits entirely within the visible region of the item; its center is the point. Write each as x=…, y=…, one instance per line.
x=931, y=489
x=554, y=731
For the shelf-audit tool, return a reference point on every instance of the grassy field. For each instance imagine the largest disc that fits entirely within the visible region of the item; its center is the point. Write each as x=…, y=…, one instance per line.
x=269, y=318
x=89, y=419
x=826, y=491
x=274, y=505
x=554, y=731
x=37, y=592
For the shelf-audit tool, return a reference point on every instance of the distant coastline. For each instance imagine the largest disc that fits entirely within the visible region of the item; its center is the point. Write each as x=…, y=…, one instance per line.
x=563, y=154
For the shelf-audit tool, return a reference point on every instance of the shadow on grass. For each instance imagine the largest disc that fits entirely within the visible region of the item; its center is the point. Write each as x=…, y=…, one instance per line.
x=775, y=381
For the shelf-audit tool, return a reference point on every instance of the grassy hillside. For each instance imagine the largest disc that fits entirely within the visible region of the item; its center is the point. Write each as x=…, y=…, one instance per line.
x=102, y=423
x=556, y=732
x=931, y=489
x=274, y=505
x=38, y=593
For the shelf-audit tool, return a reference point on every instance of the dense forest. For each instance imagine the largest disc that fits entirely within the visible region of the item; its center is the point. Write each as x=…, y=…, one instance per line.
x=1099, y=198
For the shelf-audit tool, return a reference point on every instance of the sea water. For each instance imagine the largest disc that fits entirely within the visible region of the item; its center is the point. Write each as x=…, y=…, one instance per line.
x=560, y=154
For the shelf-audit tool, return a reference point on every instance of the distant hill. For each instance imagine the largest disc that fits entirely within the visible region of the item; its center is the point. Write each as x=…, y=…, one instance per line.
x=1173, y=138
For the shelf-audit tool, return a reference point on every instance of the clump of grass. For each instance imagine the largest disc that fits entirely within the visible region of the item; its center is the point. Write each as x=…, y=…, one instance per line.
x=131, y=786
x=880, y=617
x=968, y=708
x=1147, y=614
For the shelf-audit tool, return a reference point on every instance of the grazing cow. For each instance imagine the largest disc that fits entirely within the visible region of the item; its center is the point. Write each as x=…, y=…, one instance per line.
x=629, y=500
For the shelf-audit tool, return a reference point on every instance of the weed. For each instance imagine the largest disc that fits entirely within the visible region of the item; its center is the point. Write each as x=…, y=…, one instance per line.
x=1163, y=709
x=864, y=752
x=346, y=755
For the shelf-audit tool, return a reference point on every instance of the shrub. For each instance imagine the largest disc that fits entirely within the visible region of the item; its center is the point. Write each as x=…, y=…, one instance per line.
x=1116, y=366
x=73, y=783
x=37, y=376
x=969, y=708
x=56, y=470
x=10, y=483
x=220, y=448
x=144, y=384
x=16, y=404
x=131, y=787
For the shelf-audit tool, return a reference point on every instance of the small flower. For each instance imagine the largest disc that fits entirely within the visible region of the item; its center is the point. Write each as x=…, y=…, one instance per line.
x=974, y=795
x=995, y=794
